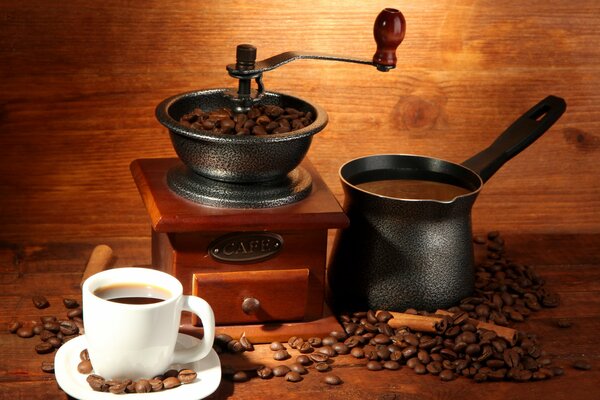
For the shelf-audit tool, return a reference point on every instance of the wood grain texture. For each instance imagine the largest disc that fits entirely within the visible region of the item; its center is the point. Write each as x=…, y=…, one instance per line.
x=79, y=81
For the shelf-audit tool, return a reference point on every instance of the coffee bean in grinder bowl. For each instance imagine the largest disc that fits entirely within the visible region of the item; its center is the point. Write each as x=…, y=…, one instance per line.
x=253, y=135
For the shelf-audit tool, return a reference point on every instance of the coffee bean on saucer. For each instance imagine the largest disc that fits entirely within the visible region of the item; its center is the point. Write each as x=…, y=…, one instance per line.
x=85, y=367
x=84, y=355
x=187, y=375
x=119, y=388
x=97, y=383
x=156, y=384
x=40, y=302
x=171, y=382
x=142, y=386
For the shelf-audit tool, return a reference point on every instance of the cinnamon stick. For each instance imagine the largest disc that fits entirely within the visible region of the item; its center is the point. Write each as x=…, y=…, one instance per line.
x=502, y=331
x=98, y=261
x=420, y=323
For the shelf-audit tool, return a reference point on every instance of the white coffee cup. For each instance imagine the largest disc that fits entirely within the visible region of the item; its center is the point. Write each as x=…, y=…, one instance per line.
x=138, y=340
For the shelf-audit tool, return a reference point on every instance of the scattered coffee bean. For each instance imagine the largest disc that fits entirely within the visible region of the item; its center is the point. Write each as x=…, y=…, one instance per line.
x=246, y=344
x=70, y=303
x=276, y=346
x=582, y=365
x=240, y=376
x=322, y=367
x=44, y=348
x=281, y=370
x=68, y=328
x=563, y=323
x=40, y=302
x=318, y=357
x=391, y=365
x=264, y=372
x=374, y=366
x=293, y=376
x=447, y=375
x=331, y=379
x=75, y=313
x=303, y=359
x=281, y=355
x=299, y=368
x=25, y=332
x=14, y=326
x=48, y=367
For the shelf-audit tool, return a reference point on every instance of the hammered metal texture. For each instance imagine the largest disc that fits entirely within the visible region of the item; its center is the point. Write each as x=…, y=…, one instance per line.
x=294, y=187
x=234, y=158
x=399, y=254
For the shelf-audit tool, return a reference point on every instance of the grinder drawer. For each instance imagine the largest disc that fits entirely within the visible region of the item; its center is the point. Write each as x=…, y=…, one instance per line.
x=243, y=297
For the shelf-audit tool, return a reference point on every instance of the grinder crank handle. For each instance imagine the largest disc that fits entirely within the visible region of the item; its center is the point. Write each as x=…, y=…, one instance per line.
x=388, y=30
x=517, y=137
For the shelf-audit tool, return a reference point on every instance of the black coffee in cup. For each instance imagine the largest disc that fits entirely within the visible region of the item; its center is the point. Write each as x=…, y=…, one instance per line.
x=133, y=293
x=414, y=189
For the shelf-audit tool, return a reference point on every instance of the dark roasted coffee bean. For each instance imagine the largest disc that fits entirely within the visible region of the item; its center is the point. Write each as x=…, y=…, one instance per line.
x=374, y=366
x=25, y=332
x=68, y=328
x=447, y=375
x=391, y=365
x=240, y=376
x=37, y=329
x=293, y=376
x=171, y=382
x=14, y=326
x=318, y=357
x=338, y=335
x=291, y=340
x=384, y=316
x=40, y=302
x=187, y=375
x=281, y=355
x=281, y=370
x=329, y=340
x=70, y=303
x=303, y=359
x=246, y=344
x=45, y=335
x=276, y=346
x=352, y=341
x=409, y=352
x=305, y=348
x=434, y=368
x=563, y=323
x=299, y=368
x=52, y=326
x=48, y=367
x=341, y=348
x=142, y=386
x=75, y=313
x=411, y=363
x=44, y=348
x=322, y=367
x=358, y=352
x=480, y=377
x=234, y=346
x=97, y=383
x=582, y=365
x=550, y=300
x=327, y=350
x=384, y=339
x=558, y=371
x=423, y=357
x=331, y=379
x=223, y=338
x=315, y=341
x=55, y=341
x=264, y=372
x=297, y=343
x=156, y=384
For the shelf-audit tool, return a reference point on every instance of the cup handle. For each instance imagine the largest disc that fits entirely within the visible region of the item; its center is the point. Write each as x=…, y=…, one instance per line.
x=203, y=310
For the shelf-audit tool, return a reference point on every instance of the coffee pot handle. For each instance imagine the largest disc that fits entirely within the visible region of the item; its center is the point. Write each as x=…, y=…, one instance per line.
x=517, y=137
x=203, y=310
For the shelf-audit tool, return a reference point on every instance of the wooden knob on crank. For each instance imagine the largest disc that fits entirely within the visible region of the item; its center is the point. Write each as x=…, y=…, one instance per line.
x=388, y=31
x=250, y=305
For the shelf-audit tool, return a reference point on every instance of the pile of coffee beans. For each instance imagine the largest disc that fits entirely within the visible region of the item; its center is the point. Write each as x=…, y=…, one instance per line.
x=259, y=120
x=52, y=331
x=169, y=380
x=506, y=293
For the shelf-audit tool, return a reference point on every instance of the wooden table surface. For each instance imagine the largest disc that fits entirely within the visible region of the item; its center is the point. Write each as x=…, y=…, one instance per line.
x=79, y=81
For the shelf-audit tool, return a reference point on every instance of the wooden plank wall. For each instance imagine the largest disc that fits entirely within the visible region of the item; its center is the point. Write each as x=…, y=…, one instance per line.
x=79, y=81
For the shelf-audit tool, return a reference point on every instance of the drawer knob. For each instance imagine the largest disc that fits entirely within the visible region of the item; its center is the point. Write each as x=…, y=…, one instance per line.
x=250, y=305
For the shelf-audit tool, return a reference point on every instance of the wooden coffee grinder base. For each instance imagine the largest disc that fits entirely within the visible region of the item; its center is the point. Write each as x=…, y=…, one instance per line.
x=262, y=270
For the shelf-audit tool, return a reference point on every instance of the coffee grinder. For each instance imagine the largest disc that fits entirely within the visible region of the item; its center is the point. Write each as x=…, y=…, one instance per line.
x=242, y=220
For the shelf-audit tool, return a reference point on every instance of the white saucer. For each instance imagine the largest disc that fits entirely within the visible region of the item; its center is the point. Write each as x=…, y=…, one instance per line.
x=75, y=384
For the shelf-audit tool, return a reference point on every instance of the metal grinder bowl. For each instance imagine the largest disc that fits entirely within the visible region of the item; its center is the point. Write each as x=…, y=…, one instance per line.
x=237, y=158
